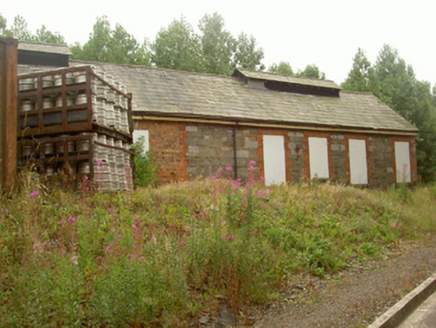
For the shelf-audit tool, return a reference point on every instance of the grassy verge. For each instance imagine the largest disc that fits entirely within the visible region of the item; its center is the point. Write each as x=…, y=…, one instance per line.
x=166, y=256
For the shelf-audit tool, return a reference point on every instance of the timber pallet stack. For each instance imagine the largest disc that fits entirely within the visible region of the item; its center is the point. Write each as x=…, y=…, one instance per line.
x=76, y=122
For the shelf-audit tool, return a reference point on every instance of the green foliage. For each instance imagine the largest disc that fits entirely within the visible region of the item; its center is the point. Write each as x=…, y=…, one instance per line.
x=178, y=47
x=394, y=82
x=247, y=54
x=312, y=71
x=218, y=45
x=20, y=31
x=146, y=170
x=283, y=68
x=359, y=76
x=114, y=46
x=161, y=257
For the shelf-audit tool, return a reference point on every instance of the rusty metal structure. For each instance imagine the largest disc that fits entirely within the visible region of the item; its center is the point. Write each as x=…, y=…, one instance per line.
x=8, y=112
x=76, y=124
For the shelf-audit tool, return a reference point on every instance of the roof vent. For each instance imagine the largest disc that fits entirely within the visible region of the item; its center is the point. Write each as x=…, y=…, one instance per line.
x=43, y=54
x=291, y=84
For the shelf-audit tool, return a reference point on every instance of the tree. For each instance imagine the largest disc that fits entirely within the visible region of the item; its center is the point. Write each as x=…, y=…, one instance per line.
x=114, y=46
x=247, y=55
x=312, y=71
x=359, y=76
x=20, y=31
x=45, y=36
x=178, y=47
x=3, y=25
x=394, y=82
x=96, y=48
x=283, y=68
x=218, y=45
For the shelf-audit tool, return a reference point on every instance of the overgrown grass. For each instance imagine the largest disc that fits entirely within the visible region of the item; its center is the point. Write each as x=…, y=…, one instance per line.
x=167, y=256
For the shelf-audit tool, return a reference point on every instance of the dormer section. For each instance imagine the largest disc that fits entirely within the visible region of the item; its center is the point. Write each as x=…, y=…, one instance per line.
x=43, y=54
x=290, y=84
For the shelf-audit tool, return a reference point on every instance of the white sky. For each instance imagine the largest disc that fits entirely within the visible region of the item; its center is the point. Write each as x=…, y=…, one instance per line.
x=321, y=32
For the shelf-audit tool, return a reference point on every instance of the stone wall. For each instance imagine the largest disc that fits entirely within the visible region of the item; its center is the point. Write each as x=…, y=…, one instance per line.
x=168, y=148
x=381, y=161
x=188, y=150
x=297, y=149
x=338, y=158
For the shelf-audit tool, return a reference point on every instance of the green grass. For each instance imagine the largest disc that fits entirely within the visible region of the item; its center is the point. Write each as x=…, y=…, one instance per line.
x=167, y=256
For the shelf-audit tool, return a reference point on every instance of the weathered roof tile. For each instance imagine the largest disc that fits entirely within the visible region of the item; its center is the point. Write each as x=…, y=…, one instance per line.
x=177, y=92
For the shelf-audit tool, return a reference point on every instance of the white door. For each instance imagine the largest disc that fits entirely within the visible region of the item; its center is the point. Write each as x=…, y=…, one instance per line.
x=402, y=161
x=318, y=158
x=274, y=159
x=358, y=167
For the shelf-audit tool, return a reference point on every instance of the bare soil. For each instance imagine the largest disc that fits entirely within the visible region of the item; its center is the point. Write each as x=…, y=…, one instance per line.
x=356, y=296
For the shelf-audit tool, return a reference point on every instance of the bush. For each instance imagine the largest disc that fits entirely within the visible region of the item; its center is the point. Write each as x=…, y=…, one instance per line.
x=146, y=170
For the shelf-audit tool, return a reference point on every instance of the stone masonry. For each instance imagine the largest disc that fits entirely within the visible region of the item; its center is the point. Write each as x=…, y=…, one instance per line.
x=185, y=151
x=339, y=158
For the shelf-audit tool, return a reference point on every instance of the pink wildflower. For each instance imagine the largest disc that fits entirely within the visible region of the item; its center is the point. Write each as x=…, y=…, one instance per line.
x=61, y=222
x=213, y=177
x=142, y=258
x=250, y=168
x=100, y=161
x=117, y=236
x=71, y=219
x=134, y=256
x=108, y=249
x=34, y=193
x=262, y=178
x=62, y=251
x=229, y=168
x=201, y=213
x=220, y=170
x=134, y=226
x=261, y=192
x=252, y=162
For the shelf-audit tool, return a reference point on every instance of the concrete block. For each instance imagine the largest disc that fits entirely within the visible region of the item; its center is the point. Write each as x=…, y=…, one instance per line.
x=390, y=170
x=243, y=153
x=335, y=147
x=191, y=128
x=193, y=149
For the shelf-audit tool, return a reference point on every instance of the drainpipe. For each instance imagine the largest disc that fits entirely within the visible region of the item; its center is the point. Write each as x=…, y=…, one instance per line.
x=235, y=162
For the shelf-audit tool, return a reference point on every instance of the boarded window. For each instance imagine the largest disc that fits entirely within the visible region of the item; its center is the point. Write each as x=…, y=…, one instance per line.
x=318, y=158
x=358, y=166
x=402, y=161
x=274, y=159
x=138, y=134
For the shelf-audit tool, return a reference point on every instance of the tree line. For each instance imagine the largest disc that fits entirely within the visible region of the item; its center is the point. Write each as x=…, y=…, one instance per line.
x=216, y=51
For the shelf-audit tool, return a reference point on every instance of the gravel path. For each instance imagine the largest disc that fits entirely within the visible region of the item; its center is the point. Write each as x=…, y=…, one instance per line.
x=356, y=296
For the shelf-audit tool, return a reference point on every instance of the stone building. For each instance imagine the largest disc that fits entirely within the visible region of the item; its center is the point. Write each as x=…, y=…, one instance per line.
x=293, y=128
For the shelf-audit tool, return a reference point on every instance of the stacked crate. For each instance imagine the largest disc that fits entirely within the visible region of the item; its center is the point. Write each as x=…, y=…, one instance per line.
x=76, y=122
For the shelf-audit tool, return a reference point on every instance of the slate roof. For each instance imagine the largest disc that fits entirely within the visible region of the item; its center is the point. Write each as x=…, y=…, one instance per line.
x=44, y=47
x=166, y=92
x=288, y=79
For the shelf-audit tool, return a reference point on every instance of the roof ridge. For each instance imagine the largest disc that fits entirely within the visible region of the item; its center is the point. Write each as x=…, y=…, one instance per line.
x=293, y=76
x=45, y=44
x=152, y=68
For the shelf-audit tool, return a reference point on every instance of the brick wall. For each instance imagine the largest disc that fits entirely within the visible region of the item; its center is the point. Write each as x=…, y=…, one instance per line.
x=168, y=147
x=188, y=150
